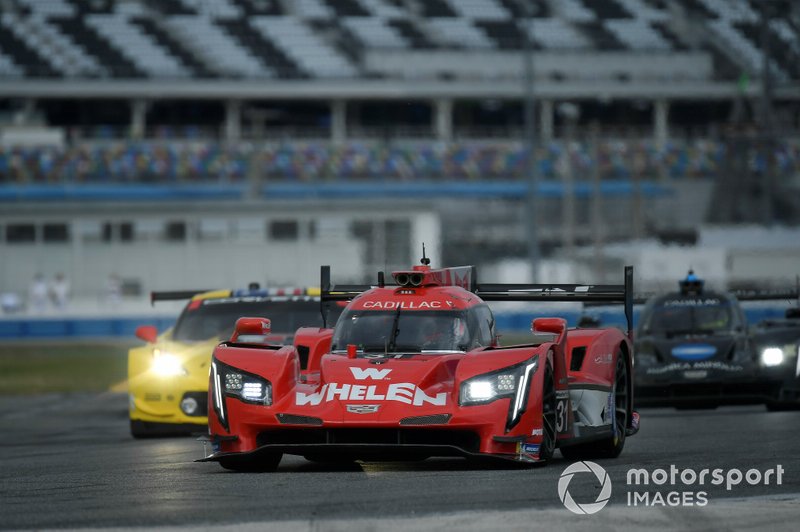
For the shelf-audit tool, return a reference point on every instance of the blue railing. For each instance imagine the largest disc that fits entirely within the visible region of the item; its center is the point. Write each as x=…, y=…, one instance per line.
x=124, y=327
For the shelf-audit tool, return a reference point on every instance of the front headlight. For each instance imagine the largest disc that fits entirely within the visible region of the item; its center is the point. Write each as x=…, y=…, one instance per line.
x=513, y=381
x=772, y=356
x=167, y=364
x=487, y=388
x=246, y=387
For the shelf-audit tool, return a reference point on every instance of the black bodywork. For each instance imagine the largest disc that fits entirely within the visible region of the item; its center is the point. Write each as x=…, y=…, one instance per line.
x=693, y=348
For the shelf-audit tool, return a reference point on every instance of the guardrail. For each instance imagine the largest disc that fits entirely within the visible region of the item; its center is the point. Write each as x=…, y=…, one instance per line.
x=77, y=328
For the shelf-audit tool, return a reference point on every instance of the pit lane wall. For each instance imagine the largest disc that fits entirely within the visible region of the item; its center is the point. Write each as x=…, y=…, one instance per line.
x=123, y=327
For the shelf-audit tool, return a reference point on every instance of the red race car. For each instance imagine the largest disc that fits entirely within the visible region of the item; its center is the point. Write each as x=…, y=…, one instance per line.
x=414, y=370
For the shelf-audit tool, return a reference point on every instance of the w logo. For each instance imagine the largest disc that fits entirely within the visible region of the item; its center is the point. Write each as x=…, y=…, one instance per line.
x=369, y=373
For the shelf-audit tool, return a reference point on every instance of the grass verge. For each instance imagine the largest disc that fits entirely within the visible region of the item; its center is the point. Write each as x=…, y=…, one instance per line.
x=46, y=367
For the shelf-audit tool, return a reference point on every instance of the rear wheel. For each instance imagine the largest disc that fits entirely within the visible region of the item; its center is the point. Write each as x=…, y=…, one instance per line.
x=609, y=447
x=263, y=463
x=548, y=445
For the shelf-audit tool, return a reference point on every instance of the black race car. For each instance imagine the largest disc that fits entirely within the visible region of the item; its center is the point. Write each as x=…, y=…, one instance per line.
x=777, y=343
x=693, y=349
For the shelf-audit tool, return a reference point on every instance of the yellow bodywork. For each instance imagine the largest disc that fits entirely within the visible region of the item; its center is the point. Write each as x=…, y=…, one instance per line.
x=156, y=396
x=156, y=389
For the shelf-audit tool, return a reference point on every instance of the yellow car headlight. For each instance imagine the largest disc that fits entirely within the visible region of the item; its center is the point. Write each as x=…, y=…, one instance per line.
x=167, y=364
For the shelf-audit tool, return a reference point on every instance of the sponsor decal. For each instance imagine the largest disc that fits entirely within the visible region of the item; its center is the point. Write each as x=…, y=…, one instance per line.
x=532, y=448
x=528, y=450
x=400, y=392
x=694, y=351
x=604, y=359
x=687, y=366
x=706, y=301
x=696, y=374
x=537, y=432
x=369, y=373
x=410, y=305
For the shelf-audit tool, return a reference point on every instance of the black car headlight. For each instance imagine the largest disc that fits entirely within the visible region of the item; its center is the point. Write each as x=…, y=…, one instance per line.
x=776, y=355
x=513, y=382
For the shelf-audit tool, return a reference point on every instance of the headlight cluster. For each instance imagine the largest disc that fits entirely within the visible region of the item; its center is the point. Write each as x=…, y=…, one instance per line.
x=513, y=381
x=244, y=386
x=248, y=388
x=486, y=388
x=167, y=365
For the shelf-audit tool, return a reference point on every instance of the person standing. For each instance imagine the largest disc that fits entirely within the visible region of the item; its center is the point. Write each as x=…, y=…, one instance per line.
x=59, y=291
x=37, y=294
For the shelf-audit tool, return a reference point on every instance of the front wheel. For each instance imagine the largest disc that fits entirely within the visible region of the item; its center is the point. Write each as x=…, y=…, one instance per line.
x=548, y=445
x=609, y=447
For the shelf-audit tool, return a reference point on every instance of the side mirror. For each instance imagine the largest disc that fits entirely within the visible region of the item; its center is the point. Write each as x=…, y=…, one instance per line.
x=251, y=330
x=557, y=326
x=148, y=333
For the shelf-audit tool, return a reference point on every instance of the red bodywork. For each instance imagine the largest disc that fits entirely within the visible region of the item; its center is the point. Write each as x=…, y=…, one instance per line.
x=350, y=404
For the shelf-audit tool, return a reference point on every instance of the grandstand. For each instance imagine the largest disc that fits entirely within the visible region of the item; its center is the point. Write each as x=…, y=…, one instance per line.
x=446, y=60
x=669, y=112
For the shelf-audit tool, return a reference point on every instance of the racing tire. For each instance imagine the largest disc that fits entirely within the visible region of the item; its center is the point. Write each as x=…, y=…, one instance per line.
x=609, y=447
x=264, y=463
x=548, y=445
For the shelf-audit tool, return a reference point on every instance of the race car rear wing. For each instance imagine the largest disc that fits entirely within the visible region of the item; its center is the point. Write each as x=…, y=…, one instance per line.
x=617, y=293
x=270, y=292
x=602, y=293
x=173, y=295
x=766, y=295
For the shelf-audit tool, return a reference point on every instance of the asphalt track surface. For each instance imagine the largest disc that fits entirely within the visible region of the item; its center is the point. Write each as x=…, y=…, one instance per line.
x=67, y=461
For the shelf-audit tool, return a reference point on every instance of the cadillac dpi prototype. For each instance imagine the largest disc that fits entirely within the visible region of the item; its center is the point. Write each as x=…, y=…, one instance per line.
x=694, y=348
x=414, y=370
x=168, y=377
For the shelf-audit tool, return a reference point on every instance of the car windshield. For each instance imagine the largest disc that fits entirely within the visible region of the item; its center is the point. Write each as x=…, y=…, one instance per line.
x=672, y=319
x=402, y=331
x=216, y=319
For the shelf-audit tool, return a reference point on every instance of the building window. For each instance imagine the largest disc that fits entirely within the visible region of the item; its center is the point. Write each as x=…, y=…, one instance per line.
x=283, y=230
x=20, y=233
x=55, y=233
x=126, y=232
x=108, y=232
x=118, y=232
x=175, y=232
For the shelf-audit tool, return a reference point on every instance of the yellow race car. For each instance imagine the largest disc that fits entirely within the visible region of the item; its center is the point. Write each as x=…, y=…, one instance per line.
x=168, y=377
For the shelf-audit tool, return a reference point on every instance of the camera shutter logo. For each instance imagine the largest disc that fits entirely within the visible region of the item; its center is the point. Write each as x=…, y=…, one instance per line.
x=602, y=497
